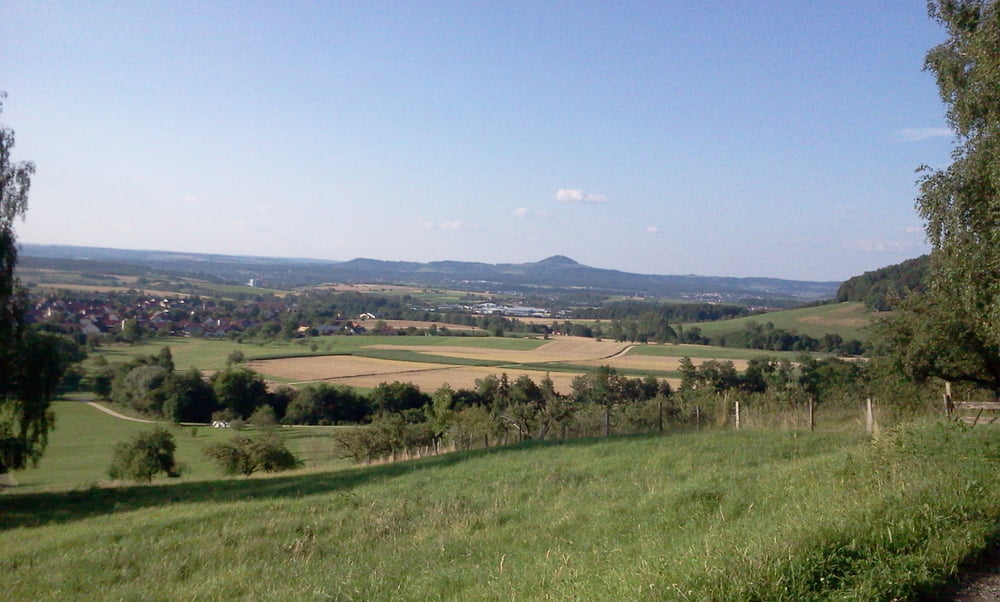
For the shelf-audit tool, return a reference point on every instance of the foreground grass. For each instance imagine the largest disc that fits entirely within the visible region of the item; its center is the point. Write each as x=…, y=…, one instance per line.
x=761, y=515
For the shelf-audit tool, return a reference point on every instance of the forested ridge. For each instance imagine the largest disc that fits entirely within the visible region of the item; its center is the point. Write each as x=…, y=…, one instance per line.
x=877, y=288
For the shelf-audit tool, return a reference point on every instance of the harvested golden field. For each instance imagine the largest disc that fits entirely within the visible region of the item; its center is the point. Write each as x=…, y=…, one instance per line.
x=650, y=362
x=337, y=367
x=461, y=377
x=360, y=371
x=564, y=349
x=369, y=372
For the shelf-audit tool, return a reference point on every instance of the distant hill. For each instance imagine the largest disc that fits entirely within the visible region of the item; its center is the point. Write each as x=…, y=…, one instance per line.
x=557, y=273
x=876, y=288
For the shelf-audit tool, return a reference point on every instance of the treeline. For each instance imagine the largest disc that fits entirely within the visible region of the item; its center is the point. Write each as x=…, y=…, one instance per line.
x=767, y=337
x=671, y=312
x=876, y=289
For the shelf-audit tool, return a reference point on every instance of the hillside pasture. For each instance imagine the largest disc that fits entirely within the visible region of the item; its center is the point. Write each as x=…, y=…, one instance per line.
x=848, y=319
x=715, y=515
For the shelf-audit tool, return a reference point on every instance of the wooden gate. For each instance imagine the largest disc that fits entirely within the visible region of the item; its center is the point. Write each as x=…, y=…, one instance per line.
x=971, y=412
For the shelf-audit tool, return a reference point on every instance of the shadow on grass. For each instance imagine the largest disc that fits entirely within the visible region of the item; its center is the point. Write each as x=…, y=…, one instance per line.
x=37, y=509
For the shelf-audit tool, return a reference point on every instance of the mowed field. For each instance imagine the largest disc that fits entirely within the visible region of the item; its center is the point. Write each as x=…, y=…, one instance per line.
x=430, y=367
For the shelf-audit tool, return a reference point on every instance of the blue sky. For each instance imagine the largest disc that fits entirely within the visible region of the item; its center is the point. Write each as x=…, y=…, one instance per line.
x=721, y=138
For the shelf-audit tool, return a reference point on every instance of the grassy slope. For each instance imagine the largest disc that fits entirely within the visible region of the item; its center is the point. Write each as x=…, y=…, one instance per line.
x=846, y=319
x=709, y=516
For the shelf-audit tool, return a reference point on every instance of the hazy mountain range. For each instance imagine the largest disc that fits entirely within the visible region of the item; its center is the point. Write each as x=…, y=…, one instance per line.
x=557, y=273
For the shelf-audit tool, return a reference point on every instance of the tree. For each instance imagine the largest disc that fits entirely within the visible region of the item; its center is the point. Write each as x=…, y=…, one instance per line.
x=187, y=397
x=149, y=453
x=247, y=455
x=241, y=390
x=30, y=362
x=953, y=330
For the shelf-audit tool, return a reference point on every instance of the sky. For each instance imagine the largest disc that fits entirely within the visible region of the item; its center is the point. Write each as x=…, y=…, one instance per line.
x=777, y=139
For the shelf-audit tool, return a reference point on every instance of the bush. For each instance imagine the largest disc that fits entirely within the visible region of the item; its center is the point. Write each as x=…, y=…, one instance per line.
x=144, y=456
x=247, y=455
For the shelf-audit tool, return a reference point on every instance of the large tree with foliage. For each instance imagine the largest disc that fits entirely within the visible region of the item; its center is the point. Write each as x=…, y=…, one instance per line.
x=31, y=364
x=953, y=330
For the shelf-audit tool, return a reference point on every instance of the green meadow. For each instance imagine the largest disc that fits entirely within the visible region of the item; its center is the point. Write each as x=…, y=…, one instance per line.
x=79, y=450
x=850, y=320
x=710, y=515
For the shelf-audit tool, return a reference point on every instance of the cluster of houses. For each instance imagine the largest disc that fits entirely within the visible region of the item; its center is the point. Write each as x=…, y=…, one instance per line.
x=176, y=316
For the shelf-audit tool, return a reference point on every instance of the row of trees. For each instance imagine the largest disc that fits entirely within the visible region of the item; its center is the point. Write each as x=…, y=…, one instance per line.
x=150, y=453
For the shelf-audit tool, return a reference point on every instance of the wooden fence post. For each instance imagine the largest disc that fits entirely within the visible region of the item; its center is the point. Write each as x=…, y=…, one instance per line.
x=697, y=416
x=737, y=414
x=869, y=417
x=949, y=405
x=812, y=415
x=659, y=421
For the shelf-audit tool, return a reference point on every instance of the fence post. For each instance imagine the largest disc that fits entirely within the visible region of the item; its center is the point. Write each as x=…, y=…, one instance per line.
x=949, y=405
x=697, y=416
x=869, y=417
x=737, y=414
x=812, y=415
x=659, y=421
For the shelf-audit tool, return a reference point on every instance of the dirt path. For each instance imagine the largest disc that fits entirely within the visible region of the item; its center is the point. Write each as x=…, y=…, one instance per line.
x=979, y=582
x=94, y=404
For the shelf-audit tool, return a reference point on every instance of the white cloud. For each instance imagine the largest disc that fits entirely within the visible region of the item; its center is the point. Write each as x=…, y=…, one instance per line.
x=524, y=213
x=575, y=195
x=652, y=229
x=918, y=134
x=914, y=230
x=457, y=224
x=189, y=198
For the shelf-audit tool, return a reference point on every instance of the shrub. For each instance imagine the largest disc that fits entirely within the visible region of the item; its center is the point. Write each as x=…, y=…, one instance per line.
x=149, y=453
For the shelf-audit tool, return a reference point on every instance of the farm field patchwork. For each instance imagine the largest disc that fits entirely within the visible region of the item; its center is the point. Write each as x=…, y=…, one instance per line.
x=431, y=361
x=557, y=357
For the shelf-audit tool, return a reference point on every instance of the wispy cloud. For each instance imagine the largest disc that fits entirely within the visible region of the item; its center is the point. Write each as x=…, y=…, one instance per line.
x=914, y=230
x=575, y=195
x=653, y=230
x=525, y=213
x=456, y=224
x=918, y=134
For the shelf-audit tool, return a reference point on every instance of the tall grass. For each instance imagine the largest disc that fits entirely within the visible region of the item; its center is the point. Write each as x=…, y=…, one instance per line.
x=717, y=515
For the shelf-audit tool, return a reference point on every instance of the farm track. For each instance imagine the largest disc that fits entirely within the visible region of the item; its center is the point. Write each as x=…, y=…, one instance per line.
x=94, y=404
